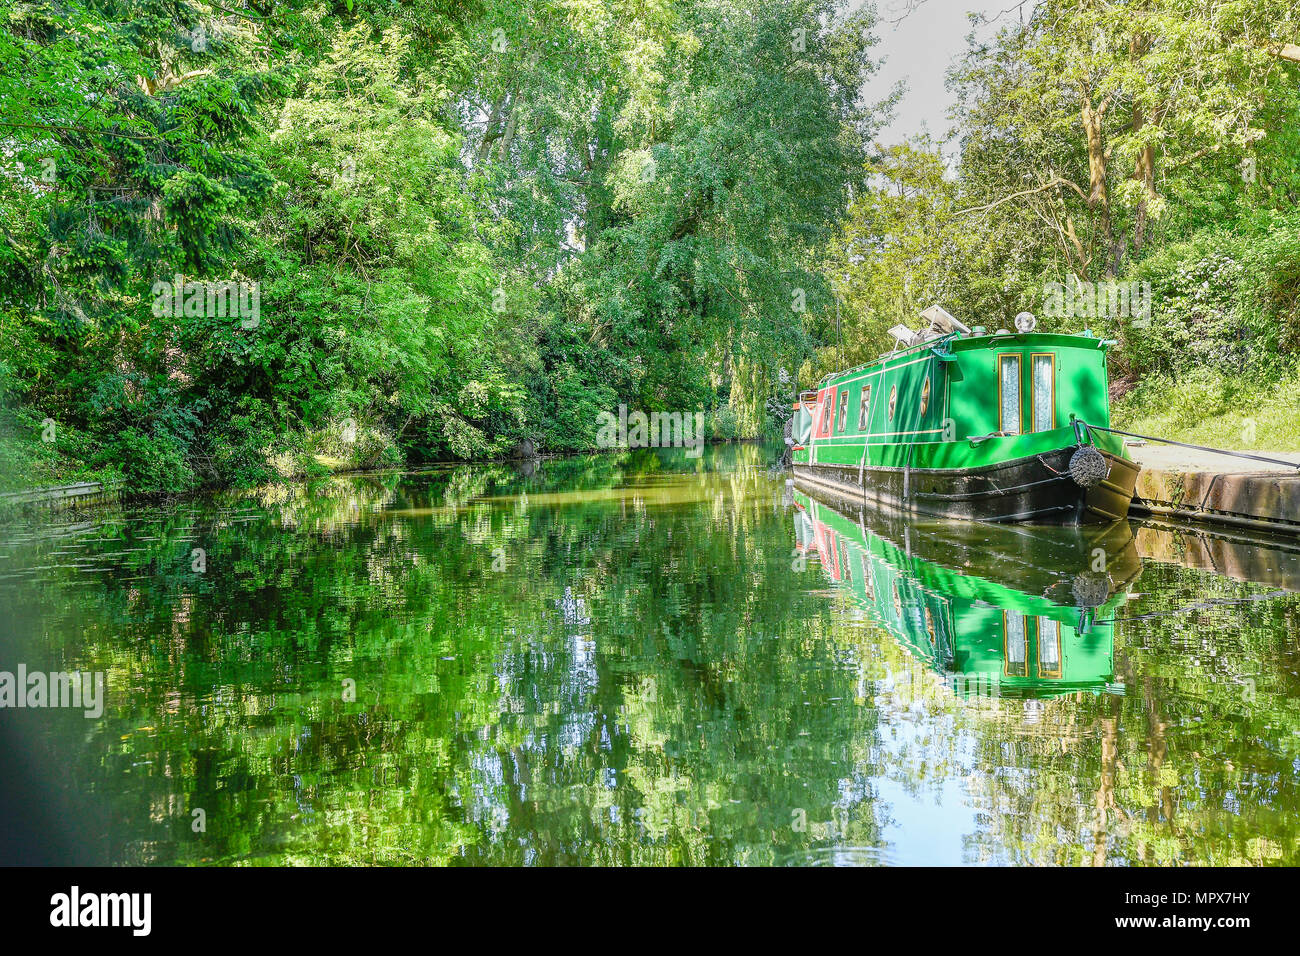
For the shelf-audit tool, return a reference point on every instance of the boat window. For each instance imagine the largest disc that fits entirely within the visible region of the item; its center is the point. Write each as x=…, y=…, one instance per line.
x=1009, y=394
x=1044, y=392
x=1049, y=647
x=1013, y=644
x=844, y=560
x=925, y=396
x=893, y=400
x=826, y=414
x=844, y=412
x=866, y=579
x=864, y=405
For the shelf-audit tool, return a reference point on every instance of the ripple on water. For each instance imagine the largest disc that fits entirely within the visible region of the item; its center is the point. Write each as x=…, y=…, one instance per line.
x=839, y=855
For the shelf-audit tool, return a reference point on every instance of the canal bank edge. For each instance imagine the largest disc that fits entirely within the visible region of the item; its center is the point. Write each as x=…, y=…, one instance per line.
x=1261, y=501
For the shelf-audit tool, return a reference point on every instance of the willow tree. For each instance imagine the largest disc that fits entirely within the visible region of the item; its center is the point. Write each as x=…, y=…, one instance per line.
x=675, y=166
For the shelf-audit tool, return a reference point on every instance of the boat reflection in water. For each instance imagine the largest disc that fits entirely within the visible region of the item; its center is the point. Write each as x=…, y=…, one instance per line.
x=995, y=610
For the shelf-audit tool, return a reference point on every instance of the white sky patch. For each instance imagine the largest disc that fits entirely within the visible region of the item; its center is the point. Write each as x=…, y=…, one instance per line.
x=918, y=51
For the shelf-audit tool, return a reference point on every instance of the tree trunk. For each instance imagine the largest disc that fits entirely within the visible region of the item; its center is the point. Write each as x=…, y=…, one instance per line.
x=1098, y=194
x=490, y=133
x=512, y=118
x=1145, y=173
x=1145, y=168
x=1105, y=798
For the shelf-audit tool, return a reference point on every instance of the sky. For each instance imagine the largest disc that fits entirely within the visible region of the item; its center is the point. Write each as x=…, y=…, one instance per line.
x=918, y=50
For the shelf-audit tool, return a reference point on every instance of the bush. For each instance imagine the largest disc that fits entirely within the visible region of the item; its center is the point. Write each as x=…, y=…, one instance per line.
x=721, y=424
x=152, y=462
x=1227, y=300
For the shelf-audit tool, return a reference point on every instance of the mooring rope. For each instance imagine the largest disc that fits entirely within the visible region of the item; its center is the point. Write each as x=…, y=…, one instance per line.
x=1183, y=444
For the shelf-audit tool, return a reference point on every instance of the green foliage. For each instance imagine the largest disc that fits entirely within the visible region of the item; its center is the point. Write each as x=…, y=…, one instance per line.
x=469, y=225
x=1206, y=407
x=721, y=425
x=1224, y=299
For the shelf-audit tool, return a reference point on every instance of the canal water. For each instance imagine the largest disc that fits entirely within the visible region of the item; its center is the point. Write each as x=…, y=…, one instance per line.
x=643, y=659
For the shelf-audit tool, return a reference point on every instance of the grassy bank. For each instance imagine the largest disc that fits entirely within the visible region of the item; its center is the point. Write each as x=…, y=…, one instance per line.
x=1207, y=408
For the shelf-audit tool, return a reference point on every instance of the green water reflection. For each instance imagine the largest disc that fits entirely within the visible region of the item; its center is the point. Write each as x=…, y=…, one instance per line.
x=645, y=659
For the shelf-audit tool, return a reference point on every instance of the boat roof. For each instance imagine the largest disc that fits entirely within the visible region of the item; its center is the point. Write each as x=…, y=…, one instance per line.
x=956, y=341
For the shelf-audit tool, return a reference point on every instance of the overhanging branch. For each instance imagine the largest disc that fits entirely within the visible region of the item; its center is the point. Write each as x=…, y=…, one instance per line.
x=1050, y=184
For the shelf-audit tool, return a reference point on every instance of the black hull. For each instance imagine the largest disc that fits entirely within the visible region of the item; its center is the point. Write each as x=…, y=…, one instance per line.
x=1037, y=489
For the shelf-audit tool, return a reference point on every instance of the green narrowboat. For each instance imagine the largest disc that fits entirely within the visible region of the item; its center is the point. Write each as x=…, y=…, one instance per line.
x=992, y=613
x=968, y=424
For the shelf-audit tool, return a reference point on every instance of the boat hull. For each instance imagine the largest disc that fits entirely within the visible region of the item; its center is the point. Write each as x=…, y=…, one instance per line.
x=1035, y=489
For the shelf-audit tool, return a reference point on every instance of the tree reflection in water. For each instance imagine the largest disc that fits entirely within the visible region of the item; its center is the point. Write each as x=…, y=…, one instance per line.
x=617, y=659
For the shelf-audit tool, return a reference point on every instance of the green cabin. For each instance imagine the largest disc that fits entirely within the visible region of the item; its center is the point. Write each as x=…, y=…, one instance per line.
x=988, y=387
